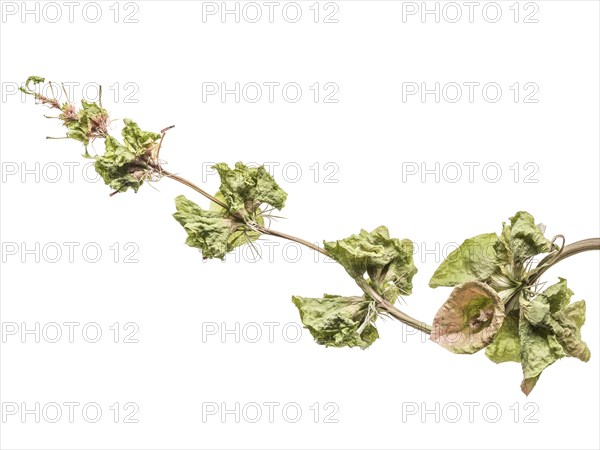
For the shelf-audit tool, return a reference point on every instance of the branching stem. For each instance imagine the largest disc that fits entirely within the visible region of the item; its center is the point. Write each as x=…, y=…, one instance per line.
x=548, y=261
x=152, y=164
x=194, y=187
x=362, y=283
x=391, y=309
x=289, y=237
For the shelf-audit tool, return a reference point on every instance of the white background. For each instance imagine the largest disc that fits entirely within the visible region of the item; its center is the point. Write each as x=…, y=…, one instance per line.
x=369, y=134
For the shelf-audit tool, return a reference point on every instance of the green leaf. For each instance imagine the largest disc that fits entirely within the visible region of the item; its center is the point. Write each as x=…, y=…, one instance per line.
x=470, y=318
x=387, y=261
x=539, y=349
x=474, y=259
x=90, y=122
x=336, y=321
x=208, y=231
x=551, y=309
x=35, y=80
x=91, y=109
x=557, y=296
x=32, y=79
x=567, y=328
x=506, y=345
x=521, y=239
x=245, y=188
x=497, y=260
x=137, y=140
x=213, y=231
x=536, y=310
x=550, y=329
x=119, y=167
x=243, y=235
x=79, y=132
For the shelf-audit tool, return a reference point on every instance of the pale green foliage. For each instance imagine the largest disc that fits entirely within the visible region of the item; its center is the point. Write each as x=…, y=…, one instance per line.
x=89, y=122
x=521, y=239
x=336, y=321
x=243, y=234
x=124, y=166
x=245, y=188
x=545, y=327
x=136, y=140
x=83, y=125
x=549, y=328
x=32, y=79
x=387, y=261
x=489, y=272
x=348, y=321
x=121, y=166
x=474, y=259
x=506, y=345
x=207, y=230
x=499, y=261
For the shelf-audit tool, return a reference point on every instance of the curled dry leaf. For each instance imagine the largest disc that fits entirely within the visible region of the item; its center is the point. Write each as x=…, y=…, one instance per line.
x=470, y=318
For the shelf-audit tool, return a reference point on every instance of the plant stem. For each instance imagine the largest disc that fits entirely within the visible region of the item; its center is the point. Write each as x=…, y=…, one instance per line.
x=289, y=237
x=361, y=282
x=391, y=309
x=550, y=260
x=194, y=187
x=570, y=250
